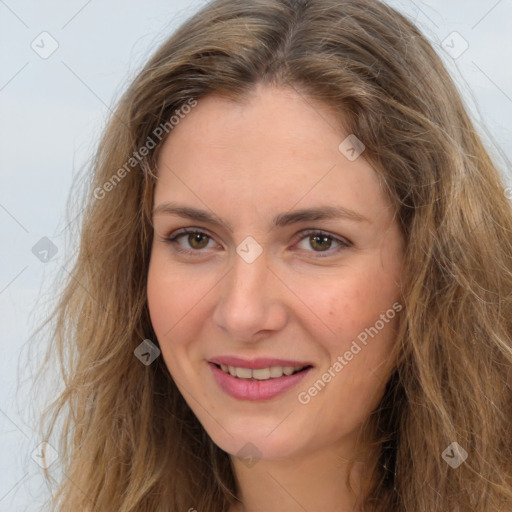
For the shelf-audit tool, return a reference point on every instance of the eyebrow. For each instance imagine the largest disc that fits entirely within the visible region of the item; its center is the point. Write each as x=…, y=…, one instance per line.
x=280, y=220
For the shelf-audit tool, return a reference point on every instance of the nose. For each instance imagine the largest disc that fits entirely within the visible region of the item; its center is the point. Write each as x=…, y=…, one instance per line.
x=251, y=301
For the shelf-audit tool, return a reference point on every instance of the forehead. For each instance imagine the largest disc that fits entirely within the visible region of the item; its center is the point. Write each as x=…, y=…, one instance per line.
x=274, y=150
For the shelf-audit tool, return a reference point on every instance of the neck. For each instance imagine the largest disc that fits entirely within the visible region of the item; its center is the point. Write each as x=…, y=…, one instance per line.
x=313, y=482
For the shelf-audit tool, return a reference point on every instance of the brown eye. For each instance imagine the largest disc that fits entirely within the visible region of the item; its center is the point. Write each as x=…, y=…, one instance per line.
x=320, y=242
x=198, y=240
x=190, y=241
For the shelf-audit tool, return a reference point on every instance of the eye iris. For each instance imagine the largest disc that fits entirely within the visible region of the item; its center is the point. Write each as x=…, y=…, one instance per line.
x=323, y=242
x=201, y=239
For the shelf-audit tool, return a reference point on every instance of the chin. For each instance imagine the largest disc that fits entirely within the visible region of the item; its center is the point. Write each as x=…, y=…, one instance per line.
x=253, y=442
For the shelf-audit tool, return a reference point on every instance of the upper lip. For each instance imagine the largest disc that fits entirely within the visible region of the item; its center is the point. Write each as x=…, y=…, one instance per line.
x=257, y=363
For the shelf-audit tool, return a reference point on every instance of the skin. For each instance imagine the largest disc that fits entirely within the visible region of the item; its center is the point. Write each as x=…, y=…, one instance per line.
x=247, y=162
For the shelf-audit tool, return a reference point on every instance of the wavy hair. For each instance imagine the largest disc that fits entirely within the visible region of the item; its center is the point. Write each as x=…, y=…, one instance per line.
x=128, y=441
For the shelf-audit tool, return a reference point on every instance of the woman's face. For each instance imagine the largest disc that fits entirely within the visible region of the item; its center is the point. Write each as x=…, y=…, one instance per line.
x=292, y=259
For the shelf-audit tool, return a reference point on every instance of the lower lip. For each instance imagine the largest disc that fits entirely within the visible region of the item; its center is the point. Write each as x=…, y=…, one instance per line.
x=248, y=389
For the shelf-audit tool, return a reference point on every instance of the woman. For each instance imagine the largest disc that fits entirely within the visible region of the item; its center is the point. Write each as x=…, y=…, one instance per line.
x=293, y=288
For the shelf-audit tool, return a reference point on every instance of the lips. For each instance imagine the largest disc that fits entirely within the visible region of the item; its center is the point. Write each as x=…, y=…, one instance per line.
x=257, y=379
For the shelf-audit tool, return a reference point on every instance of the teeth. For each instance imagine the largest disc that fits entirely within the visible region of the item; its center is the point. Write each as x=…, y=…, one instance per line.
x=243, y=373
x=273, y=372
x=261, y=373
x=276, y=371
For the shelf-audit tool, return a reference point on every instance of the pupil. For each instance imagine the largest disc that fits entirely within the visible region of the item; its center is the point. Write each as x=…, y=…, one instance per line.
x=196, y=238
x=322, y=241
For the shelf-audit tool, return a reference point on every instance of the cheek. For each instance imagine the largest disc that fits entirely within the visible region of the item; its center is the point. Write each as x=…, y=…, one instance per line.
x=354, y=302
x=358, y=363
x=362, y=323
x=172, y=294
x=167, y=303
x=161, y=299
x=176, y=303
x=170, y=300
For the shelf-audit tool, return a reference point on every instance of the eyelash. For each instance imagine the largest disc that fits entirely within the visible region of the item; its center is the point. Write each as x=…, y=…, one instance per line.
x=304, y=234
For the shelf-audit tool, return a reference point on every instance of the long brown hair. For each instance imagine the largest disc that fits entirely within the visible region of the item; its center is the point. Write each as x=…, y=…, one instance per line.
x=128, y=441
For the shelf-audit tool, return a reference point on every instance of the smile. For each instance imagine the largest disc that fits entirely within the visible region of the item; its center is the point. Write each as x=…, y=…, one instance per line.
x=273, y=372
x=257, y=383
